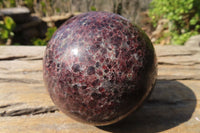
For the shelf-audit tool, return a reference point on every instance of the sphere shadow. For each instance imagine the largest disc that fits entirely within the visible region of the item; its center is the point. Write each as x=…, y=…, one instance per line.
x=170, y=104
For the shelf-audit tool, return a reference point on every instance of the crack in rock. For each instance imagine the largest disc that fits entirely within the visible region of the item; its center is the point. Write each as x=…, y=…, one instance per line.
x=13, y=58
x=32, y=59
x=181, y=63
x=27, y=58
x=8, y=105
x=27, y=81
x=176, y=77
x=188, y=54
x=166, y=63
x=29, y=111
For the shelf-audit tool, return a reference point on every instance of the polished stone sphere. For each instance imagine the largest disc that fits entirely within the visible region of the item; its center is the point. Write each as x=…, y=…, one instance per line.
x=98, y=68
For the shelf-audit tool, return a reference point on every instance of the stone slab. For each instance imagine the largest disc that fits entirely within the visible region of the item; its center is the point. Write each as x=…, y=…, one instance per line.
x=174, y=105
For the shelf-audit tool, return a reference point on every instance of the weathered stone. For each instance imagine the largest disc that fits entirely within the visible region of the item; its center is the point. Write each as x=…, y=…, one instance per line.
x=174, y=105
x=19, y=14
x=193, y=41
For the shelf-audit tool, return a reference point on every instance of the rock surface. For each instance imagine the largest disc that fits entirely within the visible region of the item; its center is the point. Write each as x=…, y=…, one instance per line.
x=174, y=105
x=19, y=14
x=193, y=41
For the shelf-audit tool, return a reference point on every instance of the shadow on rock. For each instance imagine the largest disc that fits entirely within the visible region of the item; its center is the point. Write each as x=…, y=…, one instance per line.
x=170, y=104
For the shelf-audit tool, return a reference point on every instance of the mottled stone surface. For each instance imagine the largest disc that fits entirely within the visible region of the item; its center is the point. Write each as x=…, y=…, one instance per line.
x=98, y=67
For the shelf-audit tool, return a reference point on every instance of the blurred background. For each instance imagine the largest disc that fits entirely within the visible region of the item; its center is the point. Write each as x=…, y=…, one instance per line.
x=33, y=22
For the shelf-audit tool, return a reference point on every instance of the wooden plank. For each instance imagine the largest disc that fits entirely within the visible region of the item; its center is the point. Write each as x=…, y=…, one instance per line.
x=174, y=105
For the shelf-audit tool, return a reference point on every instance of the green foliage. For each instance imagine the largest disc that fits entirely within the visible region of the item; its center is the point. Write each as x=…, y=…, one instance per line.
x=39, y=42
x=183, y=15
x=7, y=3
x=93, y=8
x=12, y=3
x=58, y=10
x=48, y=34
x=43, y=5
x=29, y=4
x=1, y=3
x=181, y=39
x=6, y=28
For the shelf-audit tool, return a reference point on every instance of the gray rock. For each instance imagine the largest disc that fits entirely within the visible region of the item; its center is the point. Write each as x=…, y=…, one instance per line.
x=193, y=41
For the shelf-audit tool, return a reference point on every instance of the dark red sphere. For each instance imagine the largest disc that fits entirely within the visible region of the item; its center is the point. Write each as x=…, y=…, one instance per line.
x=98, y=67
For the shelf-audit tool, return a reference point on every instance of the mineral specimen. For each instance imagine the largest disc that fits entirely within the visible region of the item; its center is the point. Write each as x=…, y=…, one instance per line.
x=98, y=67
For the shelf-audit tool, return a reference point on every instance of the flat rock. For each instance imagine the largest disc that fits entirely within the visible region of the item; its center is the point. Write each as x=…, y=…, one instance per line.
x=19, y=14
x=174, y=105
x=193, y=41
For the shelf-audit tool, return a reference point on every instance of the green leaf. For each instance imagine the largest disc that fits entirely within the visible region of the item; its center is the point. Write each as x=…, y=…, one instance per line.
x=193, y=21
x=50, y=32
x=9, y=23
x=93, y=8
x=197, y=27
x=39, y=42
x=4, y=34
x=190, y=6
x=12, y=34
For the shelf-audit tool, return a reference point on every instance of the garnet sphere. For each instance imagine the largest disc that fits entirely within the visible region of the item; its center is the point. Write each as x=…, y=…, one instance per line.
x=98, y=67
